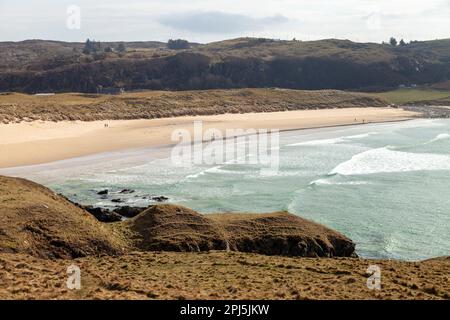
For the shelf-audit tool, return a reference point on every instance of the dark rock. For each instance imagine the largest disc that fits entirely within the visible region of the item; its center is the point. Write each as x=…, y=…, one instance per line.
x=103, y=192
x=127, y=191
x=160, y=199
x=103, y=215
x=117, y=200
x=129, y=212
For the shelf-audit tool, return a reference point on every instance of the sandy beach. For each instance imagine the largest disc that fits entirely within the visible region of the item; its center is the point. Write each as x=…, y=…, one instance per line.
x=37, y=142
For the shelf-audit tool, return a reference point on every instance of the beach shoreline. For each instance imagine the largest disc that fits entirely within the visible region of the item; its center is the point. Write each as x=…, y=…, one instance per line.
x=39, y=142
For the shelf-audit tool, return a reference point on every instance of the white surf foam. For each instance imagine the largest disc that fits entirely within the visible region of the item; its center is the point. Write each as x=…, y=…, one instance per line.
x=384, y=160
x=329, y=182
x=203, y=172
x=332, y=141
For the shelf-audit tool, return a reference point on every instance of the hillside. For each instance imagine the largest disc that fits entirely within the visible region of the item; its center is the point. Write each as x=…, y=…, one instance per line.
x=220, y=275
x=45, y=66
x=176, y=228
x=41, y=234
x=158, y=104
x=418, y=96
x=36, y=221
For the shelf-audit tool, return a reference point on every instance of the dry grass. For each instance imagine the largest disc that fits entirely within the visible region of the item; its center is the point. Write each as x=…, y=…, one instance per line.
x=220, y=275
x=16, y=107
x=37, y=226
x=176, y=228
x=34, y=220
x=269, y=49
x=281, y=233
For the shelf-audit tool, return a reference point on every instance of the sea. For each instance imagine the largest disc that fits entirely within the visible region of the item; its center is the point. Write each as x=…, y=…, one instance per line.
x=385, y=186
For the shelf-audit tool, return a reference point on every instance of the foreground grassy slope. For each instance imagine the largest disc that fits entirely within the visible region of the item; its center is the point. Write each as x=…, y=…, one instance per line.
x=16, y=107
x=220, y=275
x=42, y=234
x=36, y=221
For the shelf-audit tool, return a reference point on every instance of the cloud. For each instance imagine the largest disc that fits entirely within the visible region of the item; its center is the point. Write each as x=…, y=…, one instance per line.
x=220, y=22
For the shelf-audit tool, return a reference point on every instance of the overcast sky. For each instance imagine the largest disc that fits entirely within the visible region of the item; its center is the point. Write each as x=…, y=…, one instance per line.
x=212, y=20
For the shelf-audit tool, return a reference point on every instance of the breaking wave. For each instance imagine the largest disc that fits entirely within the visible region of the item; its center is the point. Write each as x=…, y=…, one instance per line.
x=384, y=160
x=332, y=141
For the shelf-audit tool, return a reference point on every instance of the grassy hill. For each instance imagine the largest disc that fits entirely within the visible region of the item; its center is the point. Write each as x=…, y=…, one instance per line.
x=419, y=96
x=46, y=66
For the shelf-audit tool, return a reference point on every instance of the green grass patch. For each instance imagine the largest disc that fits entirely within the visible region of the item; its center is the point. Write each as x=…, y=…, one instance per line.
x=405, y=96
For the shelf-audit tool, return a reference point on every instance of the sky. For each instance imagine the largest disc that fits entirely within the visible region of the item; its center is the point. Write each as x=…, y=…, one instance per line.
x=214, y=20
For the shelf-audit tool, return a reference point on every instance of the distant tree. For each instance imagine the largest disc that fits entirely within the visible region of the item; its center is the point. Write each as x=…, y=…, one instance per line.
x=108, y=49
x=393, y=42
x=91, y=46
x=87, y=47
x=121, y=48
x=178, y=44
x=402, y=43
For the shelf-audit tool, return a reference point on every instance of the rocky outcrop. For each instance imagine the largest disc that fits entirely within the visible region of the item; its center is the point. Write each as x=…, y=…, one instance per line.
x=283, y=234
x=175, y=228
x=103, y=215
x=34, y=220
x=129, y=212
x=112, y=215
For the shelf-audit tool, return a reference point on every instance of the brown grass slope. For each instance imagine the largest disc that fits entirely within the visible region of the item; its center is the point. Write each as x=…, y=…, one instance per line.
x=34, y=220
x=36, y=224
x=159, y=104
x=176, y=228
x=282, y=233
x=220, y=275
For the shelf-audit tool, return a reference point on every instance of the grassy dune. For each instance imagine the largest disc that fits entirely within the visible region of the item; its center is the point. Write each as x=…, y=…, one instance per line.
x=424, y=96
x=16, y=107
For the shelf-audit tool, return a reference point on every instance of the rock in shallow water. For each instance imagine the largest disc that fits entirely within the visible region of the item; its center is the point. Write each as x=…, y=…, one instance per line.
x=129, y=212
x=127, y=191
x=103, y=215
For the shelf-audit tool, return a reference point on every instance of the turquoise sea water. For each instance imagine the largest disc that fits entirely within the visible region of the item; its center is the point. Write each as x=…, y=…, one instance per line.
x=386, y=186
